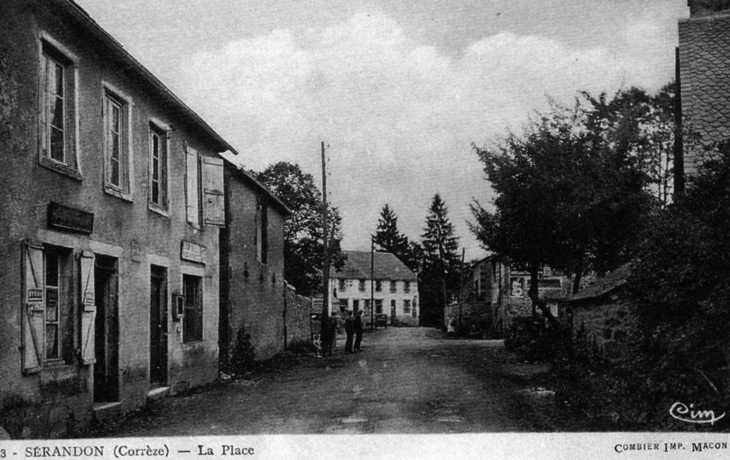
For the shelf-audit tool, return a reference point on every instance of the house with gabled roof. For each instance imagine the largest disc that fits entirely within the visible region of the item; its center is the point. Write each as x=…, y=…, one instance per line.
x=380, y=277
x=110, y=219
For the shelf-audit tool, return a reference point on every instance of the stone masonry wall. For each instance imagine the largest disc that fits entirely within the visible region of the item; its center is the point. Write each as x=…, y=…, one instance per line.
x=606, y=324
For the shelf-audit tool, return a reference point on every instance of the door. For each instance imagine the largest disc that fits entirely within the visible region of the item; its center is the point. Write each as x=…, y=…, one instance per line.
x=106, y=330
x=392, y=312
x=158, y=326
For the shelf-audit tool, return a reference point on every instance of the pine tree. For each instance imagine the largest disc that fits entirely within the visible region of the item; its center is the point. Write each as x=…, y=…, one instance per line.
x=387, y=236
x=440, y=274
x=438, y=238
x=389, y=239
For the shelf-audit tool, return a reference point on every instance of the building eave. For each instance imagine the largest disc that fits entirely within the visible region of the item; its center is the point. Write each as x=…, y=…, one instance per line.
x=85, y=20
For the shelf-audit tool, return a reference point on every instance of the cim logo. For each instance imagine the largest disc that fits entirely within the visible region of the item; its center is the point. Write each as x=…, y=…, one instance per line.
x=681, y=412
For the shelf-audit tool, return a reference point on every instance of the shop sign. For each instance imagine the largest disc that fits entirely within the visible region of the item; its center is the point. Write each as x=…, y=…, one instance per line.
x=74, y=220
x=192, y=252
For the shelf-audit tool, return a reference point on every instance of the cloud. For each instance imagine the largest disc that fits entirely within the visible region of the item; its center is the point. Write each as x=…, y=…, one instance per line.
x=399, y=116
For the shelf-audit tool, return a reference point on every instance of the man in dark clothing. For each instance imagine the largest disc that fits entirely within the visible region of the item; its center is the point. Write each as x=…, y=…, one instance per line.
x=349, y=330
x=358, y=330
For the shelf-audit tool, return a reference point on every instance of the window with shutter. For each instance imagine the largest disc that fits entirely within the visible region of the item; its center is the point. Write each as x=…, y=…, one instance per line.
x=192, y=186
x=47, y=319
x=213, y=197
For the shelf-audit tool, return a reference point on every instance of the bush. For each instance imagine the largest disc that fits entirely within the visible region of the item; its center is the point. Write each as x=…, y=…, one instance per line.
x=533, y=341
x=243, y=356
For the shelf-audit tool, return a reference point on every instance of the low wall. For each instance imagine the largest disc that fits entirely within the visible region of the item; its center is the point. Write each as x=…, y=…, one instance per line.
x=298, y=312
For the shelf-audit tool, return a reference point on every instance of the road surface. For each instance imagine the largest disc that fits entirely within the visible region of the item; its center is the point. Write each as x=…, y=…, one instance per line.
x=407, y=380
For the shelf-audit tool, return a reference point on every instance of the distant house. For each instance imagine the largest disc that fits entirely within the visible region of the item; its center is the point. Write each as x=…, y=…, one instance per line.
x=393, y=287
x=252, y=296
x=704, y=73
x=498, y=290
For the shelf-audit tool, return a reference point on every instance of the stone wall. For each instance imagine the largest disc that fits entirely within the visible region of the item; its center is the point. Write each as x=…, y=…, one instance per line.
x=605, y=323
x=298, y=312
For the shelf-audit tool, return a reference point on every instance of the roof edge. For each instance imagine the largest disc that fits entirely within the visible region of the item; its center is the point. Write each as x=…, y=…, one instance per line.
x=248, y=176
x=107, y=39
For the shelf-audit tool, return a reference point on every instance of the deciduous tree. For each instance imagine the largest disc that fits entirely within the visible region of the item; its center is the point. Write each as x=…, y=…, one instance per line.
x=571, y=193
x=303, y=242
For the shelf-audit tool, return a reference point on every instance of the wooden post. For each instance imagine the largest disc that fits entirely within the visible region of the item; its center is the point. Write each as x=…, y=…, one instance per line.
x=325, y=245
x=461, y=277
x=372, y=280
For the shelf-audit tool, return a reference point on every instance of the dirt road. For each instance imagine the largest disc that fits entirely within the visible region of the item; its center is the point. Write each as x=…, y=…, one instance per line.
x=407, y=380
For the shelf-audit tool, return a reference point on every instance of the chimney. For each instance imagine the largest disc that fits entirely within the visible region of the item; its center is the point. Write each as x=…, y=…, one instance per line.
x=707, y=7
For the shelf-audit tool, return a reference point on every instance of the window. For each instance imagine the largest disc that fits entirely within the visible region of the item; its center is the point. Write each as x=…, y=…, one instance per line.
x=158, y=168
x=117, y=157
x=378, y=286
x=378, y=306
x=414, y=310
x=406, y=287
x=341, y=285
x=48, y=327
x=262, y=239
x=362, y=286
x=53, y=283
x=406, y=306
x=393, y=287
x=57, y=110
x=193, y=320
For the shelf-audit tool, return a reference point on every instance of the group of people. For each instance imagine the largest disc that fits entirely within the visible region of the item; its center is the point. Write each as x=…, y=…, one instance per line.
x=353, y=326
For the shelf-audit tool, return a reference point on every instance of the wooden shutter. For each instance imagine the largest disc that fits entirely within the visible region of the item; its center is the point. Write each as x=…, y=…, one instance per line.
x=88, y=307
x=213, y=197
x=192, y=186
x=34, y=308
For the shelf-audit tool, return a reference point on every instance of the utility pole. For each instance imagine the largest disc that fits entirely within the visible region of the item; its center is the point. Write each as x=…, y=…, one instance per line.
x=372, y=280
x=325, y=245
x=461, y=277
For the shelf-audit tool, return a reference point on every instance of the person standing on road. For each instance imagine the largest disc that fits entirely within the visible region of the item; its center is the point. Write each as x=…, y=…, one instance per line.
x=358, y=330
x=349, y=330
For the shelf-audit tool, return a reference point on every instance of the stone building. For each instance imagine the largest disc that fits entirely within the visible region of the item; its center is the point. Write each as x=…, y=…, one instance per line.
x=110, y=217
x=599, y=315
x=252, y=267
x=393, y=287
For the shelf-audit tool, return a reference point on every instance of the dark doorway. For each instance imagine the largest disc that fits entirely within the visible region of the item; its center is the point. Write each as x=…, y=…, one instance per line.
x=158, y=326
x=106, y=341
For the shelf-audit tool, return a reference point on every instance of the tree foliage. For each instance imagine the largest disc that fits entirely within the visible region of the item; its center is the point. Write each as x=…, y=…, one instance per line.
x=303, y=230
x=440, y=270
x=680, y=288
x=389, y=239
x=573, y=188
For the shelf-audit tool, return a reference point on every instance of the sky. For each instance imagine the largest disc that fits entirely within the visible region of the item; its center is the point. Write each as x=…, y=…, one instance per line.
x=399, y=90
